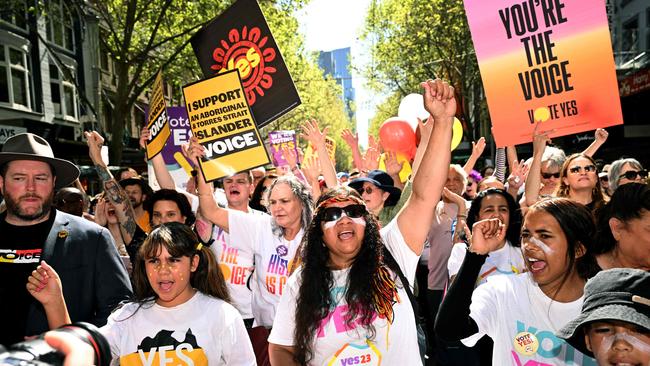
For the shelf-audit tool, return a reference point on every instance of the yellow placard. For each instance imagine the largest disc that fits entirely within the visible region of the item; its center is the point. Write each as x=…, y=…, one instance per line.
x=221, y=119
x=158, y=123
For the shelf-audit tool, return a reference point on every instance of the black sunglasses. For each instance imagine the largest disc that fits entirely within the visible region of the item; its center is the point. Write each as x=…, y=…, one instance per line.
x=549, y=175
x=335, y=213
x=604, y=178
x=587, y=168
x=632, y=174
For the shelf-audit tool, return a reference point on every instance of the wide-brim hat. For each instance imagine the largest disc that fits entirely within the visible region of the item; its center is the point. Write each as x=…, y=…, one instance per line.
x=146, y=188
x=27, y=146
x=621, y=294
x=382, y=180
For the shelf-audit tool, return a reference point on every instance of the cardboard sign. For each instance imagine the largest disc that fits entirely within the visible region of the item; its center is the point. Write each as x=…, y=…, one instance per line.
x=330, y=144
x=545, y=60
x=221, y=119
x=279, y=140
x=158, y=123
x=240, y=39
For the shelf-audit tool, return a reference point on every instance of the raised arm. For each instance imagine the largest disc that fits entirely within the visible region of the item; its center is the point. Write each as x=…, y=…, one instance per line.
x=208, y=207
x=600, y=136
x=114, y=193
x=534, y=179
x=425, y=134
x=393, y=168
x=415, y=218
x=44, y=285
x=163, y=177
x=313, y=134
x=477, y=150
x=352, y=140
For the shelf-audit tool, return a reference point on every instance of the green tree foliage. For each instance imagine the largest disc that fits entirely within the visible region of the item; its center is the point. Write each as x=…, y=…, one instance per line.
x=144, y=36
x=411, y=41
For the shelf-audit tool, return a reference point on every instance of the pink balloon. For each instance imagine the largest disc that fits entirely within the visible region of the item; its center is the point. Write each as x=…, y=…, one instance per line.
x=396, y=134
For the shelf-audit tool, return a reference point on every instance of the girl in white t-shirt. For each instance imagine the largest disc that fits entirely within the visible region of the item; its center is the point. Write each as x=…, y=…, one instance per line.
x=180, y=312
x=522, y=313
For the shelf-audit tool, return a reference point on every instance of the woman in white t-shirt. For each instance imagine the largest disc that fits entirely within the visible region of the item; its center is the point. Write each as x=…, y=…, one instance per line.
x=180, y=312
x=522, y=313
x=506, y=258
x=346, y=303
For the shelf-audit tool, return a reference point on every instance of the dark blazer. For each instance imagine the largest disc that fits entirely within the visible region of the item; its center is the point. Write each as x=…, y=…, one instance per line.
x=92, y=274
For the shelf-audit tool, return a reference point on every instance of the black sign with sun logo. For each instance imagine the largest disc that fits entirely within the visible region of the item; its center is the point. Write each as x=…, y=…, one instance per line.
x=240, y=39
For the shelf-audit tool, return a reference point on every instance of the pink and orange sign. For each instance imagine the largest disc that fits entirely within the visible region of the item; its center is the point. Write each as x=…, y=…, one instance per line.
x=545, y=60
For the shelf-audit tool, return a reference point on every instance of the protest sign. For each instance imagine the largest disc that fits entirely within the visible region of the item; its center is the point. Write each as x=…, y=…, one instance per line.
x=330, y=144
x=279, y=140
x=158, y=122
x=241, y=39
x=178, y=166
x=221, y=119
x=545, y=60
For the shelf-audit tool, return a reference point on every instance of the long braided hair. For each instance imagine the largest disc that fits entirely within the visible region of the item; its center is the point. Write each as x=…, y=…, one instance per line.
x=315, y=302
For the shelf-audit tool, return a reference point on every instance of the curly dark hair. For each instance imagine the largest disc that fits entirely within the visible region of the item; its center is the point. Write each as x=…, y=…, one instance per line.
x=314, y=301
x=514, y=226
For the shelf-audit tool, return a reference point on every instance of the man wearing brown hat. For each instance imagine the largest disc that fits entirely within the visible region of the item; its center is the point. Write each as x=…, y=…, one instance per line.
x=93, y=278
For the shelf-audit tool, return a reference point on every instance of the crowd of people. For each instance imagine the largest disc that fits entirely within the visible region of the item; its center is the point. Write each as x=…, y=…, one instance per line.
x=542, y=261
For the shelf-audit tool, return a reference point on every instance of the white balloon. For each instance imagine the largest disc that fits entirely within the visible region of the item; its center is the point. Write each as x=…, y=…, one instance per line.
x=411, y=108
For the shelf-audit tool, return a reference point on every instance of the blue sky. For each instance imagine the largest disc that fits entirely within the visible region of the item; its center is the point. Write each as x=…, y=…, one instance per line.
x=332, y=24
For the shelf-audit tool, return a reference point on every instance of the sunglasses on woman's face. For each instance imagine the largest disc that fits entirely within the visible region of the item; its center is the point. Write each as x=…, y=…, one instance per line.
x=632, y=174
x=351, y=211
x=586, y=168
x=368, y=190
x=549, y=175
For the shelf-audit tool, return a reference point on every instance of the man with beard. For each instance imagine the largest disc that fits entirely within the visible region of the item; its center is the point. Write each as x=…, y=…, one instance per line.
x=92, y=275
x=138, y=191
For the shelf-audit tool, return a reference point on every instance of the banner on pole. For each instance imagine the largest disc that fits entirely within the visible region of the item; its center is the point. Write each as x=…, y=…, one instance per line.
x=158, y=122
x=221, y=119
x=241, y=39
x=547, y=61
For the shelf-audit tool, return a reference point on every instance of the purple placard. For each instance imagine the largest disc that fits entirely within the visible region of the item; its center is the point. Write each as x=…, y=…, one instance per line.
x=180, y=127
x=278, y=139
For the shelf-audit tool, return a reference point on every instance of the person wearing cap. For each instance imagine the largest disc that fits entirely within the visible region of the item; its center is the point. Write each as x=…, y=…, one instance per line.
x=379, y=193
x=343, y=177
x=614, y=325
x=138, y=191
x=82, y=252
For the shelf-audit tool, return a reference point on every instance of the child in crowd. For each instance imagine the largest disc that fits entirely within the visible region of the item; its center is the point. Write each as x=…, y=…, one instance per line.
x=521, y=313
x=614, y=326
x=180, y=311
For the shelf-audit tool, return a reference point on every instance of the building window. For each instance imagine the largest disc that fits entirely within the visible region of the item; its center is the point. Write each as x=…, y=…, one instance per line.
x=15, y=13
x=64, y=95
x=14, y=77
x=631, y=35
x=60, y=29
x=647, y=29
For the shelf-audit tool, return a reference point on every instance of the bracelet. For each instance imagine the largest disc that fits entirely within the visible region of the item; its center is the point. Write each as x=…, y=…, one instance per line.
x=461, y=216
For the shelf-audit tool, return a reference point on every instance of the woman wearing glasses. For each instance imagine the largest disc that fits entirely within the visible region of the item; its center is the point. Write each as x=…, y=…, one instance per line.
x=379, y=193
x=625, y=171
x=578, y=177
x=346, y=303
x=579, y=182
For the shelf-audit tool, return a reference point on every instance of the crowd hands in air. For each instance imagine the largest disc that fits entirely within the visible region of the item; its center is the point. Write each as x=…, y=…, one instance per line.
x=304, y=265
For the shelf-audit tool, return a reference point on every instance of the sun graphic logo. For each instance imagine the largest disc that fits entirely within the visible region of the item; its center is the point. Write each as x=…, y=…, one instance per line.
x=245, y=51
